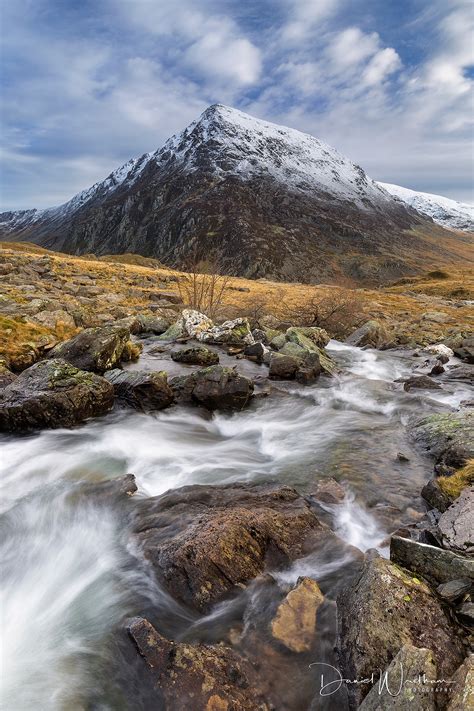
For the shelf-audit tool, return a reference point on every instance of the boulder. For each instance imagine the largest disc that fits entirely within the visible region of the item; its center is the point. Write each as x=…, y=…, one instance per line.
x=170, y=297
x=204, y=542
x=372, y=333
x=465, y=613
x=447, y=436
x=196, y=676
x=141, y=390
x=195, y=355
x=383, y=610
x=420, y=382
x=53, y=319
x=256, y=352
x=308, y=337
x=174, y=332
x=236, y=332
x=461, y=688
x=195, y=323
x=216, y=388
x=278, y=341
x=439, y=349
x=294, y=624
x=465, y=350
x=435, y=496
x=463, y=372
x=329, y=491
x=406, y=684
x=456, y=524
x=435, y=564
x=53, y=393
x=283, y=367
x=153, y=324
x=94, y=349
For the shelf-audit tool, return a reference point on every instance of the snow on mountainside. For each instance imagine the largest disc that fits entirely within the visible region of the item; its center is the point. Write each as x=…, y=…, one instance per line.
x=446, y=212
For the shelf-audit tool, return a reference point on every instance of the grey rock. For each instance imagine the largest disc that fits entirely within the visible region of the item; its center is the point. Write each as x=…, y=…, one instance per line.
x=462, y=687
x=141, y=390
x=433, y=494
x=372, y=333
x=195, y=355
x=435, y=564
x=454, y=589
x=421, y=382
x=457, y=523
x=216, y=388
x=95, y=349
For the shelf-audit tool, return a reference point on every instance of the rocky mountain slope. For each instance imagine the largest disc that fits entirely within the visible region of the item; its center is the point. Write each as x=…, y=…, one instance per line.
x=448, y=213
x=264, y=200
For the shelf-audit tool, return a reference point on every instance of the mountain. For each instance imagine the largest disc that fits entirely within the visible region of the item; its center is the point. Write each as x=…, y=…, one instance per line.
x=266, y=200
x=448, y=213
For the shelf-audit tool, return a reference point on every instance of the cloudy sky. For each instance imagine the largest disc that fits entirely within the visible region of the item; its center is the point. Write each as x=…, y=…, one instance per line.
x=87, y=84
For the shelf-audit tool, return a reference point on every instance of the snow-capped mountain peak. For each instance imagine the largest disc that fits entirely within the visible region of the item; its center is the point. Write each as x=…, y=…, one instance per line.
x=446, y=212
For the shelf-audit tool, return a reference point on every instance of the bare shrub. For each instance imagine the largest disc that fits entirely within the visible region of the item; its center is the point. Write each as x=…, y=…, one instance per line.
x=203, y=286
x=338, y=312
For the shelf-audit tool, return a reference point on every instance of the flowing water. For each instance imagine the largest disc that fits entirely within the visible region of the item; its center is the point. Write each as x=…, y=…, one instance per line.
x=69, y=576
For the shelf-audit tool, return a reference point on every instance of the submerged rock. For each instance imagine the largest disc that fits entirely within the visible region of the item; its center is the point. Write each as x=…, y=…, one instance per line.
x=195, y=355
x=294, y=624
x=205, y=541
x=410, y=680
x=94, y=349
x=385, y=609
x=141, y=390
x=53, y=393
x=197, y=676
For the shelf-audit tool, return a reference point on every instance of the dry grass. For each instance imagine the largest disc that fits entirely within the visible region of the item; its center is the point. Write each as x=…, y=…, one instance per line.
x=453, y=485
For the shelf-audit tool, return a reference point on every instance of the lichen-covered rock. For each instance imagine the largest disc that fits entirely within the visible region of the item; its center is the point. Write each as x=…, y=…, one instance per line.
x=53, y=319
x=195, y=323
x=95, y=349
x=283, y=367
x=372, y=333
x=216, y=388
x=141, y=390
x=383, y=610
x=456, y=525
x=235, y=332
x=53, y=393
x=294, y=624
x=410, y=683
x=205, y=541
x=174, y=332
x=197, y=676
x=462, y=687
x=447, y=436
x=308, y=336
x=195, y=355
x=435, y=564
x=440, y=349
x=153, y=324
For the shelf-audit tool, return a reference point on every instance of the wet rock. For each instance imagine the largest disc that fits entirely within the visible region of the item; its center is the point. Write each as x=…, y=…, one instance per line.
x=385, y=609
x=204, y=542
x=141, y=390
x=95, y=349
x=283, y=367
x=435, y=496
x=435, y=564
x=410, y=680
x=457, y=523
x=256, y=352
x=195, y=355
x=236, y=332
x=423, y=382
x=294, y=624
x=464, y=373
x=454, y=589
x=402, y=457
x=153, y=324
x=437, y=369
x=219, y=388
x=53, y=393
x=308, y=337
x=211, y=678
x=447, y=436
x=372, y=333
x=329, y=491
x=461, y=689
x=195, y=323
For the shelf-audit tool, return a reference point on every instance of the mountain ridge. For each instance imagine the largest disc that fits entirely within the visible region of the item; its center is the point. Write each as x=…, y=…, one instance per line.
x=268, y=200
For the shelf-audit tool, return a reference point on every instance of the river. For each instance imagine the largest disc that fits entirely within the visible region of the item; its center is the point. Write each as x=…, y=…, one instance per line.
x=69, y=575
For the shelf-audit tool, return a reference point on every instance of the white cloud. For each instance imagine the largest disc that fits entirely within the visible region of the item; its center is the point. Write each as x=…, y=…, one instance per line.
x=382, y=64
x=352, y=46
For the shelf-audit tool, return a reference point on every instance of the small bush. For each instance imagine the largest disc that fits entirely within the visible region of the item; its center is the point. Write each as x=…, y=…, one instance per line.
x=453, y=485
x=438, y=274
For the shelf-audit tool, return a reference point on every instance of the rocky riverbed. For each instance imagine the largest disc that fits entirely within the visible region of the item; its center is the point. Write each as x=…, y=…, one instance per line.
x=212, y=517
